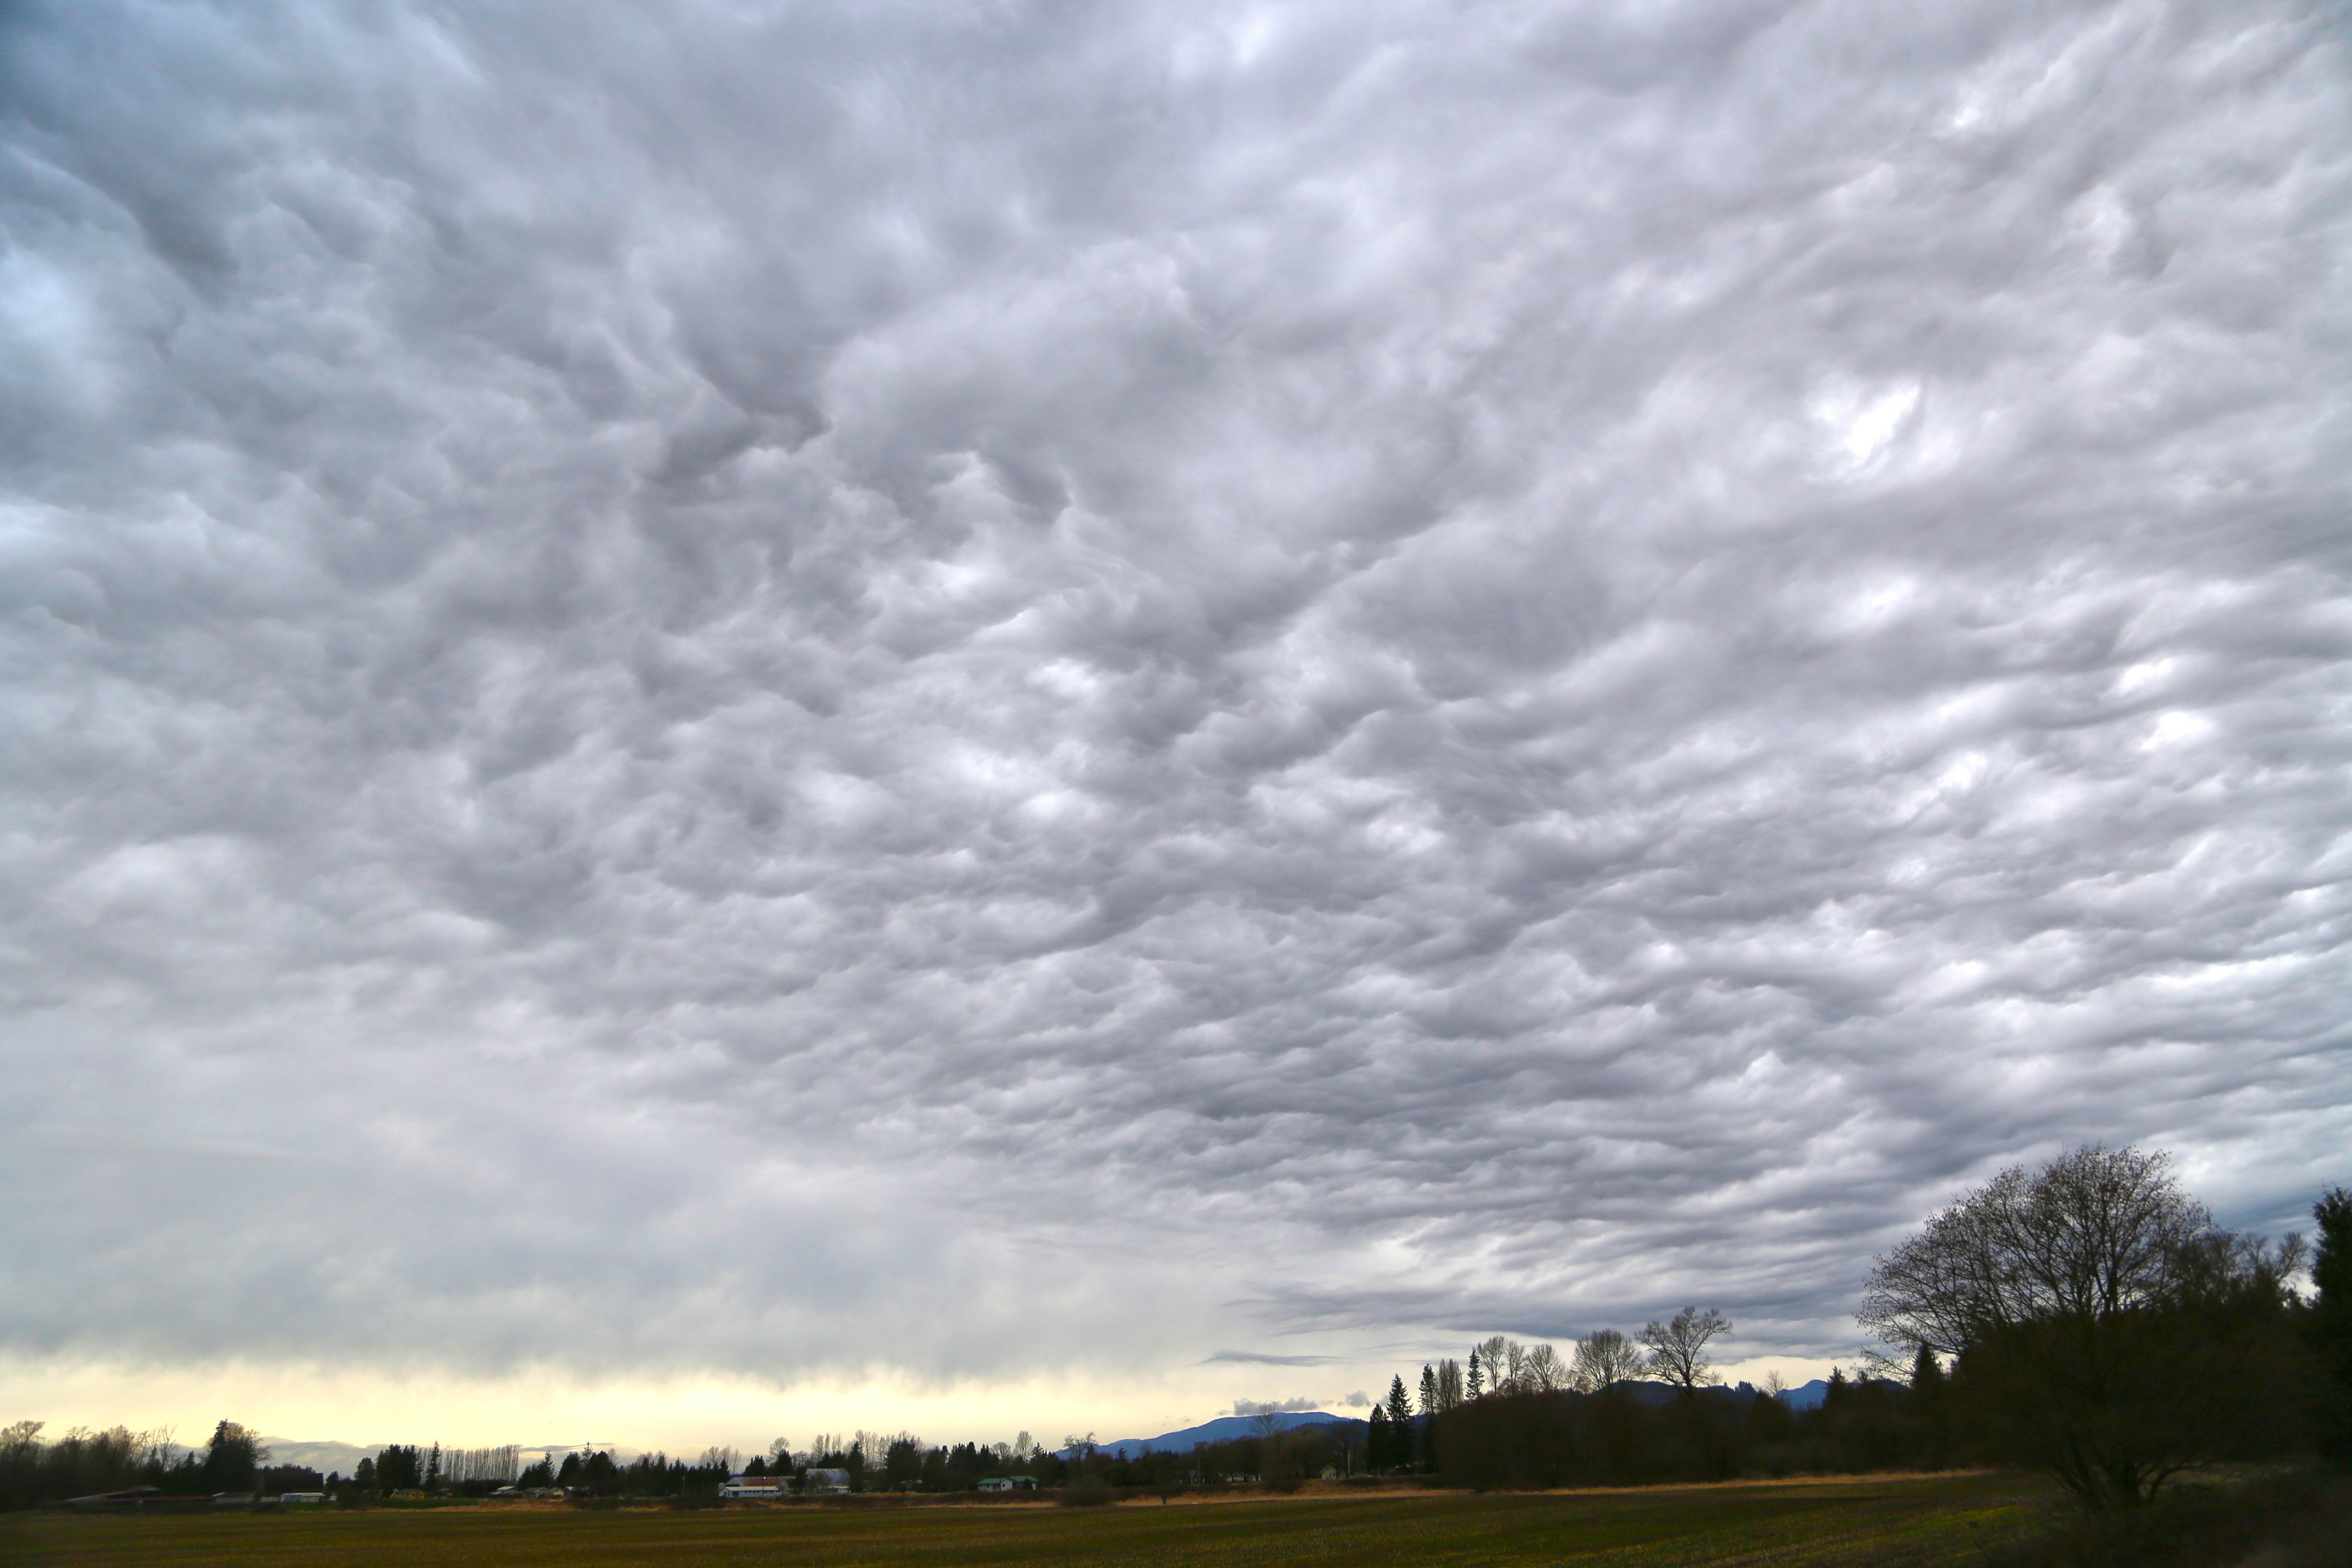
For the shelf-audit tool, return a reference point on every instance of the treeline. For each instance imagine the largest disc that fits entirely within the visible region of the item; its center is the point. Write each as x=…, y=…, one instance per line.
x=2088, y=1318
x=1501, y=1370
x=1634, y=1433
x=1272, y=1456
x=872, y=1461
x=875, y=1461
x=460, y=1472
x=83, y=1462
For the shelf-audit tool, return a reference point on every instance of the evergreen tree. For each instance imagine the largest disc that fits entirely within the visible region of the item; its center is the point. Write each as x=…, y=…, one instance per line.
x=1400, y=1419
x=1926, y=1402
x=1477, y=1374
x=233, y=1459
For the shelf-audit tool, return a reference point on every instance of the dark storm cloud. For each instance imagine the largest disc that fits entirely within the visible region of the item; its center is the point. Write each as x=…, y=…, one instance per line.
x=702, y=677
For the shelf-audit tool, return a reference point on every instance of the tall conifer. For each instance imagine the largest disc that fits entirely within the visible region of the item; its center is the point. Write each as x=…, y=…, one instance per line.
x=1400, y=1419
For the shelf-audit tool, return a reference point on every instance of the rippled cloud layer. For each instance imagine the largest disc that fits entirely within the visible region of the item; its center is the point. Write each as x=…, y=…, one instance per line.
x=946, y=688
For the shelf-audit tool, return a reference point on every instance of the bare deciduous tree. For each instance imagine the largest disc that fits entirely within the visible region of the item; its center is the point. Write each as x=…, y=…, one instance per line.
x=2095, y=1232
x=1449, y=1384
x=1603, y=1357
x=2099, y=1319
x=20, y=1442
x=459, y=1466
x=1542, y=1371
x=1678, y=1347
x=1494, y=1353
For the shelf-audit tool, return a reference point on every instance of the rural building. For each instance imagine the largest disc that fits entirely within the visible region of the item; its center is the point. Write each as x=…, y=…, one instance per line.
x=755, y=1486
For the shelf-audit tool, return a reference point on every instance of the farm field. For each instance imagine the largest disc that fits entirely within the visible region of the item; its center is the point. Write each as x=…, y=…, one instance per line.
x=1899, y=1522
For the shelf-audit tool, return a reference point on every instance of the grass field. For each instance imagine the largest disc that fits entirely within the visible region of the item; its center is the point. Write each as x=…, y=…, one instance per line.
x=1910, y=1522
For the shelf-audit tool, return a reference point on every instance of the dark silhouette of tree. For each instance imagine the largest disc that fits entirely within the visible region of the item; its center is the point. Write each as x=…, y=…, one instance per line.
x=1378, y=1441
x=1769, y=1420
x=1496, y=1351
x=233, y=1457
x=399, y=1467
x=1603, y=1357
x=1401, y=1432
x=2103, y=1327
x=2331, y=1321
x=1543, y=1371
x=1678, y=1347
x=1478, y=1374
x=1429, y=1408
x=1929, y=1403
x=276, y=1479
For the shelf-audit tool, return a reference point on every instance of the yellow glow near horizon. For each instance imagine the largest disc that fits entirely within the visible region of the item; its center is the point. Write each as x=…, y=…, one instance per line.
x=306, y=1401
x=312, y=1403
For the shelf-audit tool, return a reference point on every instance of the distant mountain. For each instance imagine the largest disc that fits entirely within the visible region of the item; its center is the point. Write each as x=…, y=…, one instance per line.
x=1223, y=1429
x=1812, y=1395
x=1646, y=1391
x=1807, y=1395
x=1227, y=1427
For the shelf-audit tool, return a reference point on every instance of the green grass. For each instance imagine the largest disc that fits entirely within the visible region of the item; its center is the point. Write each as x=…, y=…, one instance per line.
x=1899, y=1523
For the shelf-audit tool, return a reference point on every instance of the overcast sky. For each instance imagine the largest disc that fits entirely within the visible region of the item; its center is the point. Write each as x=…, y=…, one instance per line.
x=1045, y=714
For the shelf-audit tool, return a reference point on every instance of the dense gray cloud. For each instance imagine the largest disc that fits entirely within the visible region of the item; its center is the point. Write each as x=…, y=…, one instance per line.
x=925, y=687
